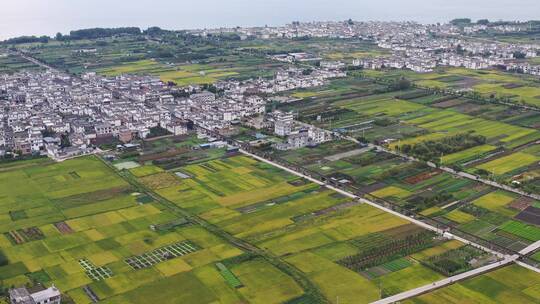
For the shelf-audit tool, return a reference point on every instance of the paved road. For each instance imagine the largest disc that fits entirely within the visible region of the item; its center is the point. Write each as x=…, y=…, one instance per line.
x=450, y=205
x=363, y=200
x=530, y=248
x=503, y=258
x=445, y=282
x=426, y=288
x=37, y=62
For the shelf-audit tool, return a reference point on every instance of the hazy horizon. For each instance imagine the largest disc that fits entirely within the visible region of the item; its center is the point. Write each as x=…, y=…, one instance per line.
x=38, y=17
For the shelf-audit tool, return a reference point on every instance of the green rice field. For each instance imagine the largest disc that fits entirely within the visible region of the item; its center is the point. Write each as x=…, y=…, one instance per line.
x=511, y=284
x=77, y=224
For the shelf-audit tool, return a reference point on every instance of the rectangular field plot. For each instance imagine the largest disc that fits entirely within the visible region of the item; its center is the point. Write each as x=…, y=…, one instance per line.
x=229, y=277
x=511, y=284
x=497, y=201
x=509, y=163
x=22, y=236
x=528, y=232
x=398, y=264
x=467, y=155
x=95, y=273
x=126, y=165
x=161, y=254
x=99, y=273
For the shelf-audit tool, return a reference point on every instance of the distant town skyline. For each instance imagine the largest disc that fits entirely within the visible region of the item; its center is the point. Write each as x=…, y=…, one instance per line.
x=37, y=17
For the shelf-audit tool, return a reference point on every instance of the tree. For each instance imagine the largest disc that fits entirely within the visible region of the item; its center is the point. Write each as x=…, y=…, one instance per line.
x=363, y=140
x=48, y=132
x=307, y=72
x=483, y=22
x=401, y=84
x=519, y=55
x=94, y=33
x=460, y=50
x=64, y=141
x=157, y=131
x=154, y=30
x=461, y=21
x=482, y=172
x=27, y=39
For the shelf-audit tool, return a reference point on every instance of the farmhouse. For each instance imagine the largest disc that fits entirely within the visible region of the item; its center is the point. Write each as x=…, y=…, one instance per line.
x=22, y=295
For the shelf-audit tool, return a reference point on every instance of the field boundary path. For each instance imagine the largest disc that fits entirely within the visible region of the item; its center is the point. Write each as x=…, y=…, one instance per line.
x=342, y=155
x=292, y=271
x=503, y=258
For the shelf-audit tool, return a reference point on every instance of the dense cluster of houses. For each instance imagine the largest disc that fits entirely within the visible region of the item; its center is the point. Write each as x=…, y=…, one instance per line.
x=414, y=46
x=61, y=115
x=421, y=48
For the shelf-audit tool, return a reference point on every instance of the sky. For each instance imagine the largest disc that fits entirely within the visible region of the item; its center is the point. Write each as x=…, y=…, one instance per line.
x=47, y=17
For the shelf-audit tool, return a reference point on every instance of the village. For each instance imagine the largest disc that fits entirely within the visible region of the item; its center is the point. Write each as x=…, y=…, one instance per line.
x=316, y=162
x=61, y=116
x=414, y=46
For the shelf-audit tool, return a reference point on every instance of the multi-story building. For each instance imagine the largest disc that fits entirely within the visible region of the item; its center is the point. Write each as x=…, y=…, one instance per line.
x=284, y=123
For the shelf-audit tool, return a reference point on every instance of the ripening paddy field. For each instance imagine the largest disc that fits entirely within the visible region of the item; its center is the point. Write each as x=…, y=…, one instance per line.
x=411, y=121
x=443, y=123
x=509, y=285
x=77, y=225
x=489, y=83
x=287, y=222
x=192, y=74
x=426, y=124
x=322, y=233
x=184, y=75
x=83, y=227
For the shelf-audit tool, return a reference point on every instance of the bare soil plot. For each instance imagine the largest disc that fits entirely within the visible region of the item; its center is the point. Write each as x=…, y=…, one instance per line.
x=63, y=227
x=530, y=215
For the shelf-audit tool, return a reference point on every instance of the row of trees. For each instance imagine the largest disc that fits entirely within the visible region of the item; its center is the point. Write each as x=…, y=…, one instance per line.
x=454, y=261
x=27, y=39
x=391, y=251
x=94, y=33
x=468, y=21
x=420, y=203
x=432, y=150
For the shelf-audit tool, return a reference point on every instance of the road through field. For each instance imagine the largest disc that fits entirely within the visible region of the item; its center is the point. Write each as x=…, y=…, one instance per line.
x=366, y=201
x=503, y=258
x=445, y=282
x=451, y=280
